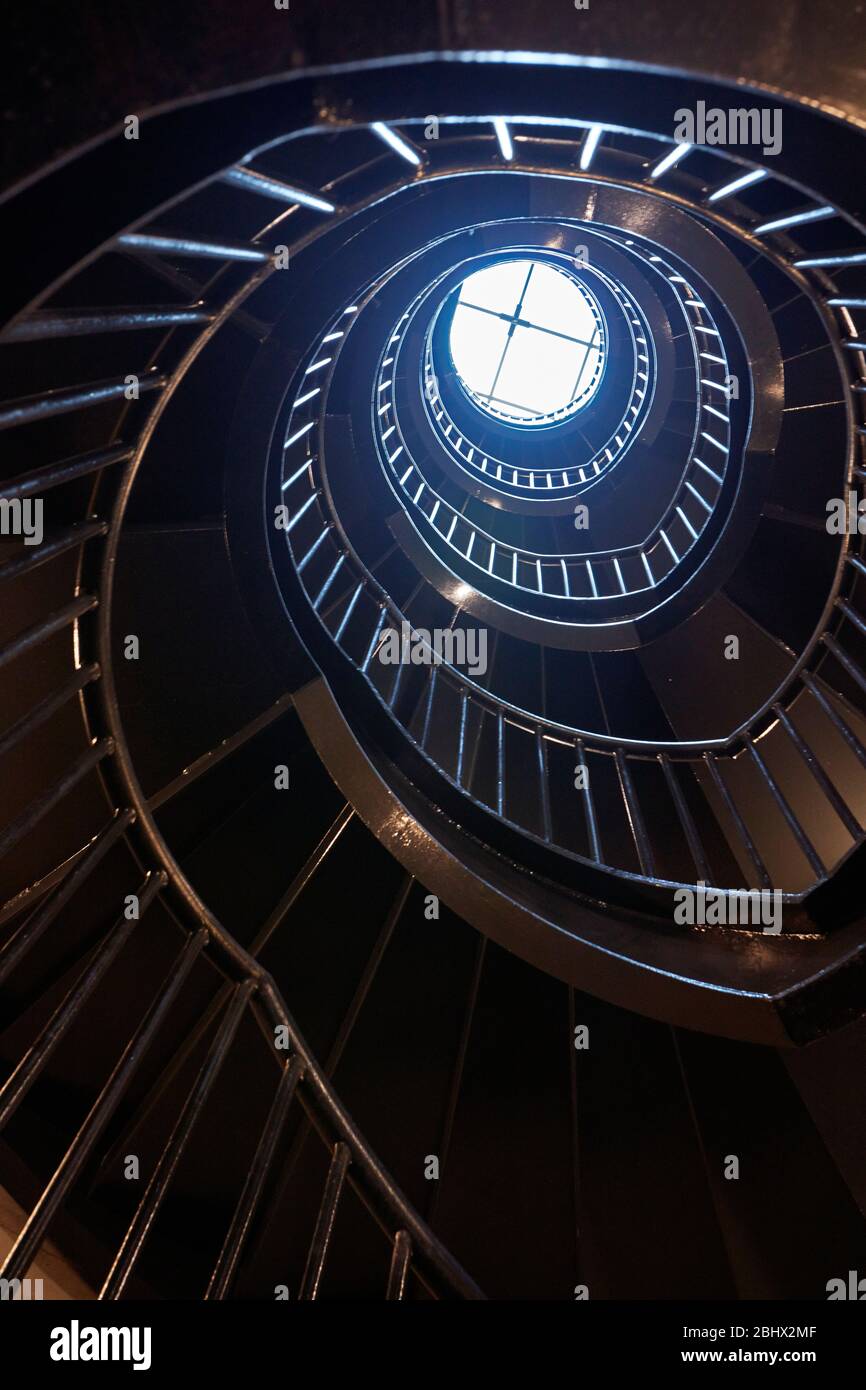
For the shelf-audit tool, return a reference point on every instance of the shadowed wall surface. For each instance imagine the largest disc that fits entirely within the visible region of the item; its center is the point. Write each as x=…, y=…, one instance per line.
x=71, y=72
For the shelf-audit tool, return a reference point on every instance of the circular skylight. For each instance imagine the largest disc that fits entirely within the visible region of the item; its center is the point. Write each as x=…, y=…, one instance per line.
x=528, y=342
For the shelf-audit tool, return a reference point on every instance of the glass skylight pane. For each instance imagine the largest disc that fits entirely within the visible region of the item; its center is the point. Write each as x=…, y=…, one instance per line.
x=554, y=301
x=533, y=349
x=539, y=371
x=477, y=344
x=497, y=287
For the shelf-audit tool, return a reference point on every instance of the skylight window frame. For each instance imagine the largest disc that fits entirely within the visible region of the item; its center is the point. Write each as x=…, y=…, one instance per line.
x=529, y=418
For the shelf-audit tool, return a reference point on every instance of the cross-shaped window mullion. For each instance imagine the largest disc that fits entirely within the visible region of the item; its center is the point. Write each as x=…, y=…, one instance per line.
x=511, y=327
x=525, y=323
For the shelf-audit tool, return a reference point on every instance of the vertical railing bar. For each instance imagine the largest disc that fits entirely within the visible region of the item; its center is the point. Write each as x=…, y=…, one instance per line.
x=500, y=763
x=690, y=830
x=321, y=1242
x=330, y=1119
x=227, y=1263
x=350, y=1017
x=56, y=474
x=212, y=758
x=61, y=401
x=139, y=1227
x=541, y=749
x=31, y=930
x=16, y=1086
x=431, y=690
x=78, y=534
x=47, y=800
x=350, y=608
x=40, y=632
x=23, y=904
x=46, y=324
x=326, y=587
x=852, y=615
x=785, y=807
x=845, y=660
x=44, y=710
x=837, y=801
x=33, y=1232
x=461, y=736
x=368, y=975
x=742, y=829
x=400, y=1257
x=476, y=742
x=374, y=638
x=302, y=563
x=635, y=817
x=195, y=1034
x=589, y=804
x=839, y=723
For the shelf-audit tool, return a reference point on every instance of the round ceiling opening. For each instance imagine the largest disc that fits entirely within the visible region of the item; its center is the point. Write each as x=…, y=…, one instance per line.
x=528, y=342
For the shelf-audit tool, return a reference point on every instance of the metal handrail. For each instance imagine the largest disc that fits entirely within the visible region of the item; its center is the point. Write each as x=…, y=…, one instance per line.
x=132, y=818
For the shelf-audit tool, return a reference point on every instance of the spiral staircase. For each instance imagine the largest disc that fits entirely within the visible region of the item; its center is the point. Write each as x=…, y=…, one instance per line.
x=297, y=944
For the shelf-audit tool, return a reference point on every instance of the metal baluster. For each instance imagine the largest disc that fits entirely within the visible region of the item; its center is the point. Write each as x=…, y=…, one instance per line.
x=397, y=1274
x=693, y=839
x=852, y=615
x=40, y=632
x=431, y=691
x=274, y=921
x=836, y=718
x=742, y=829
x=461, y=737
x=840, y=806
x=141, y=1223
x=321, y=1242
x=18, y=1084
x=192, y=246
x=24, y=411
x=635, y=815
x=79, y=322
x=544, y=782
x=56, y=474
x=845, y=660
x=374, y=639
x=28, y=934
x=33, y=558
x=47, y=800
x=26, y=1246
x=784, y=806
x=500, y=763
x=588, y=804
x=229, y=1256
x=50, y=705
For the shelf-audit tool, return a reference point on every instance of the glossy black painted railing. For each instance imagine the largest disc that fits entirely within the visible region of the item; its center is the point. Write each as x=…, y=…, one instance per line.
x=233, y=134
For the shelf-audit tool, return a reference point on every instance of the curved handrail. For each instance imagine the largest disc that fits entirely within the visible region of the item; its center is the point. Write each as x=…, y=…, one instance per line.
x=205, y=149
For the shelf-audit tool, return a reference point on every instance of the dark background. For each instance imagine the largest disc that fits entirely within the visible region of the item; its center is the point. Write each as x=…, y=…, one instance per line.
x=71, y=71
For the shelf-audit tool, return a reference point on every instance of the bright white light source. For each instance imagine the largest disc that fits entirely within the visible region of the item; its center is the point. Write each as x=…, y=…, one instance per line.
x=590, y=145
x=398, y=145
x=673, y=157
x=794, y=219
x=744, y=181
x=503, y=135
x=528, y=342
